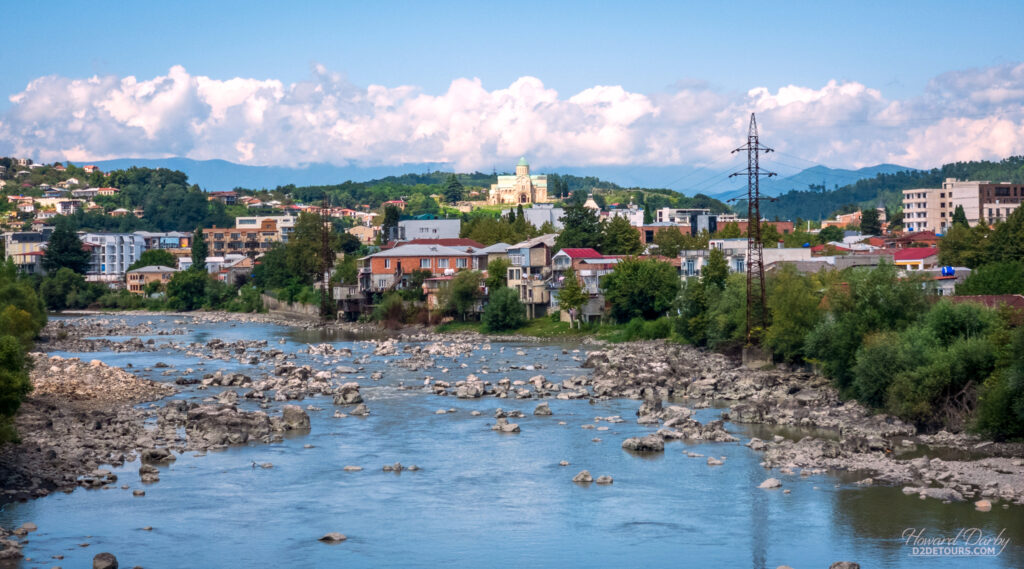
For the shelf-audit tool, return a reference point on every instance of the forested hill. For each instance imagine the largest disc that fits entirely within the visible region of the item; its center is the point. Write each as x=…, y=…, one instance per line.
x=816, y=204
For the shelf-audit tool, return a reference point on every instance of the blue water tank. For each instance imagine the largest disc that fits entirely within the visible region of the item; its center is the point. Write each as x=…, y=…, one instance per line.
x=807, y=244
x=948, y=271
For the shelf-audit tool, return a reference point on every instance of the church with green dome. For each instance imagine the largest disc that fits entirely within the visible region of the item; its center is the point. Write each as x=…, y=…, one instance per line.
x=522, y=188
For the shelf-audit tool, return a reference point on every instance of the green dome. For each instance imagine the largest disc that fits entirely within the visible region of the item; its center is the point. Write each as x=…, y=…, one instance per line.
x=523, y=162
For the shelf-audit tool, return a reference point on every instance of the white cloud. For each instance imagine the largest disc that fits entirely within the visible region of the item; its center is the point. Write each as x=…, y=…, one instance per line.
x=961, y=115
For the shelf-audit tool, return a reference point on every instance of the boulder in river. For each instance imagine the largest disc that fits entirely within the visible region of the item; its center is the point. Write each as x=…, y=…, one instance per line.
x=542, y=409
x=770, y=483
x=104, y=561
x=294, y=418
x=650, y=443
x=502, y=425
x=333, y=537
x=583, y=477
x=348, y=394
x=604, y=480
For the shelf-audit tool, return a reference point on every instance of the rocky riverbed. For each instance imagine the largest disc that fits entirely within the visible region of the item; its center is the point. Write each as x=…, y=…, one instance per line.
x=85, y=417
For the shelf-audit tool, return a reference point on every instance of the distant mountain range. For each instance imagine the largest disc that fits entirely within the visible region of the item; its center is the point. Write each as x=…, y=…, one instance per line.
x=817, y=176
x=216, y=175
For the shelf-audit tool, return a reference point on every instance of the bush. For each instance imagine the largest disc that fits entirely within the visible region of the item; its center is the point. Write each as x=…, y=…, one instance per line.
x=390, y=311
x=640, y=288
x=504, y=311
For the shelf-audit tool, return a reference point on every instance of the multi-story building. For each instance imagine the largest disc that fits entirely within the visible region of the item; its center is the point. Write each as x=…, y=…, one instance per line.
x=932, y=209
x=26, y=249
x=177, y=242
x=390, y=268
x=529, y=269
x=409, y=229
x=137, y=279
x=285, y=224
x=250, y=242
x=111, y=255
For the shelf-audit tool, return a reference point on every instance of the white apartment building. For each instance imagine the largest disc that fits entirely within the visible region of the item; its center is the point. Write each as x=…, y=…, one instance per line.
x=112, y=254
x=285, y=223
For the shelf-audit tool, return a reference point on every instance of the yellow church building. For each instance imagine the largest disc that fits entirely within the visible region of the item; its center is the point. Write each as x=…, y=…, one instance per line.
x=522, y=188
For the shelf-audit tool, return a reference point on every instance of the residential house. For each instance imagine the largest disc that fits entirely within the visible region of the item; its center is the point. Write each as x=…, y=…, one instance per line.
x=85, y=193
x=916, y=258
x=91, y=169
x=137, y=279
x=175, y=242
x=529, y=269
x=389, y=269
x=589, y=266
x=366, y=235
x=107, y=191
x=226, y=198
x=400, y=204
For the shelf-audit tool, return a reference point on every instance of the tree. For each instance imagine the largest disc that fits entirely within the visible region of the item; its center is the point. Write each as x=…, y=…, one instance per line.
x=793, y=304
x=1005, y=277
x=830, y=233
x=731, y=230
x=65, y=250
x=497, y=274
x=463, y=292
x=715, y=270
x=14, y=384
x=154, y=257
x=869, y=222
x=960, y=217
x=347, y=272
x=389, y=227
x=620, y=238
x=670, y=242
x=964, y=246
x=453, y=189
x=571, y=297
x=582, y=228
x=504, y=311
x=187, y=290
x=68, y=289
x=200, y=250
x=640, y=288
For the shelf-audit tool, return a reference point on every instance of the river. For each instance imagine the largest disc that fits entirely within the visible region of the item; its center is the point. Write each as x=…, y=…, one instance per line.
x=482, y=498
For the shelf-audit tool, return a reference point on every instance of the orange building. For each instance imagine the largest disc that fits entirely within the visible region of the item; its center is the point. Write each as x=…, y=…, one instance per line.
x=249, y=241
x=391, y=268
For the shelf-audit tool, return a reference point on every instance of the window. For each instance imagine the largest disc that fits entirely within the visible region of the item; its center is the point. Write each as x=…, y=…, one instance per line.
x=382, y=283
x=690, y=268
x=387, y=263
x=460, y=263
x=442, y=263
x=425, y=263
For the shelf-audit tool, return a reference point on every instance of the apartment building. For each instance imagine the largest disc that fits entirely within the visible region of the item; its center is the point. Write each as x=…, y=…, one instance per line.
x=26, y=249
x=931, y=209
x=285, y=224
x=529, y=268
x=250, y=242
x=111, y=255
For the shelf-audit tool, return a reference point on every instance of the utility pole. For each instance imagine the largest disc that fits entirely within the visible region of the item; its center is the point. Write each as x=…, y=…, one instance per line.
x=326, y=261
x=756, y=298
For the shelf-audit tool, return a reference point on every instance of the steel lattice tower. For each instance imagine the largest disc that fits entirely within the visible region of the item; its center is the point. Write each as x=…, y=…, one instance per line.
x=756, y=306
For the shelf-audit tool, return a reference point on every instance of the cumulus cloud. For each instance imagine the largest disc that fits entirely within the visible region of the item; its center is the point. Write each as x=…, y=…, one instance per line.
x=961, y=115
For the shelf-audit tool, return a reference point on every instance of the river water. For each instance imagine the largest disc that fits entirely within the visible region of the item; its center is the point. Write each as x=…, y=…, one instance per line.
x=482, y=499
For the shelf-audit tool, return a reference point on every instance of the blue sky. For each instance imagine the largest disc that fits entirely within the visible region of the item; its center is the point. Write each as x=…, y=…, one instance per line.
x=894, y=50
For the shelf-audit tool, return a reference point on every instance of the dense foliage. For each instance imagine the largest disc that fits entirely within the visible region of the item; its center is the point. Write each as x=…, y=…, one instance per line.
x=504, y=311
x=22, y=316
x=640, y=288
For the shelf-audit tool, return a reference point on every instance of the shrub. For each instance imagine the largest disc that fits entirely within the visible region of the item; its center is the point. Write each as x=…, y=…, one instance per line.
x=390, y=311
x=504, y=311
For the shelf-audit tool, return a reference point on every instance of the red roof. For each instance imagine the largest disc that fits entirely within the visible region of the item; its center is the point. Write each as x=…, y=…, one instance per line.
x=914, y=253
x=582, y=253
